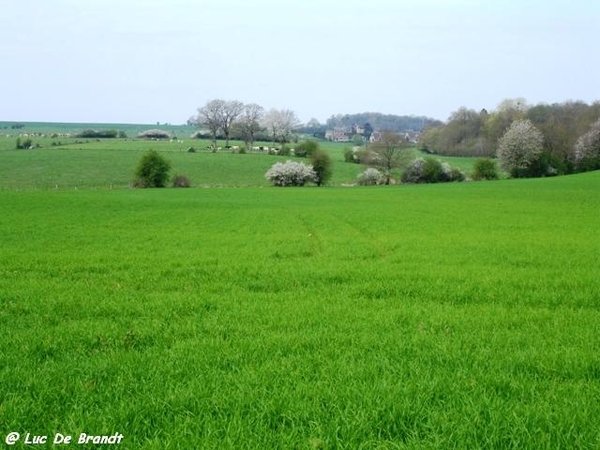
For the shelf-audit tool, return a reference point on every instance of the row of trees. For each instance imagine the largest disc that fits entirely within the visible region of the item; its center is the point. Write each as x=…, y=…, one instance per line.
x=522, y=151
x=231, y=117
x=478, y=133
x=380, y=121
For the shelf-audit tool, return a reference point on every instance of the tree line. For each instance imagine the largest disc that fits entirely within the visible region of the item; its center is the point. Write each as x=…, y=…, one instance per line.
x=378, y=121
x=478, y=133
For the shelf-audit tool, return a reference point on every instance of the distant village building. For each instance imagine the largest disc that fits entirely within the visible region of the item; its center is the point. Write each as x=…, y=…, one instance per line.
x=337, y=135
x=346, y=135
x=375, y=136
x=357, y=129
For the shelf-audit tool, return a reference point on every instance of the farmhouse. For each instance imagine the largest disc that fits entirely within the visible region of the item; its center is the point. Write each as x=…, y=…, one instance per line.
x=337, y=135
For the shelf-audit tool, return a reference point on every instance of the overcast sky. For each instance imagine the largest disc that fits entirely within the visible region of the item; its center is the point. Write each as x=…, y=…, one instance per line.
x=147, y=61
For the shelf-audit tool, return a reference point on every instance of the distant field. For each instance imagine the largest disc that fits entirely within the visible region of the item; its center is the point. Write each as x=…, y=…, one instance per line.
x=68, y=162
x=6, y=128
x=440, y=316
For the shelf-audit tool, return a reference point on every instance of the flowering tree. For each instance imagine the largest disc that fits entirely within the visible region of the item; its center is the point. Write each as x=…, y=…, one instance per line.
x=520, y=148
x=290, y=173
x=587, y=149
x=280, y=124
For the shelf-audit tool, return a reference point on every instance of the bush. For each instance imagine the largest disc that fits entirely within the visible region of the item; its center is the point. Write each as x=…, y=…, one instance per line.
x=348, y=155
x=457, y=175
x=152, y=170
x=430, y=170
x=370, y=177
x=306, y=148
x=290, y=173
x=191, y=150
x=200, y=135
x=181, y=181
x=485, y=169
x=321, y=163
x=24, y=145
x=414, y=172
x=358, y=155
x=96, y=134
x=433, y=171
x=154, y=134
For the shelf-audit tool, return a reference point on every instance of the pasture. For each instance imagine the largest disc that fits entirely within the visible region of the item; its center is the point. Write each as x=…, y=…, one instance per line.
x=439, y=316
x=75, y=163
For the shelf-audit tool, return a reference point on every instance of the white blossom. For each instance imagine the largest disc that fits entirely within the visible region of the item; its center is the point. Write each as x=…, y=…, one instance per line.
x=588, y=145
x=290, y=173
x=520, y=146
x=370, y=177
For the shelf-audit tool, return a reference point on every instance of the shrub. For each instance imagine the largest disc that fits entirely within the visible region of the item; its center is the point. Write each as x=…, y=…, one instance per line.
x=433, y=171
x=154, y=134
x=306, y=148
x=348, y=155
x=430, y=170
x=181, y=181
x=152, y=170
x=358, y=155
x=457, y=175
x=96, y=134
x=370, y=177
x=24, y=145
x=200, y=135
x=290, y=173
x=191, y=150
x=485, y=169
x=321, y=163
x=414, y=171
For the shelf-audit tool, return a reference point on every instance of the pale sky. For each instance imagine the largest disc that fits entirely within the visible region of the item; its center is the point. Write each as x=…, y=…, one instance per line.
x=148, y=61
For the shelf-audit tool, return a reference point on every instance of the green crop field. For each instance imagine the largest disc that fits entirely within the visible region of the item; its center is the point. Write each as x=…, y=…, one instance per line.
x=461, y=315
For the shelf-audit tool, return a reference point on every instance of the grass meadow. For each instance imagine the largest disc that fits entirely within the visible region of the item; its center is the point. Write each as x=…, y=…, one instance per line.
x=76, y=163
x=403, y=317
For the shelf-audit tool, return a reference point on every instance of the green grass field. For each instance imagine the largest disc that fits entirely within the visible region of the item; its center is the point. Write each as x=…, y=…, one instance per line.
x=70, y=162
x=432, y=316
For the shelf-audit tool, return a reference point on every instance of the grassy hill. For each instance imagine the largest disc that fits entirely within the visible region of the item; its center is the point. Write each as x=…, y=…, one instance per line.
x=439, y=316
x=69, y=162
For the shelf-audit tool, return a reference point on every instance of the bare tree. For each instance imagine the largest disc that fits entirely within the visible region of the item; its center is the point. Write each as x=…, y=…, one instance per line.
x=281, y=124
x=211, y=115
x=388, y=154
x=250, y=122
x=230, y=111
